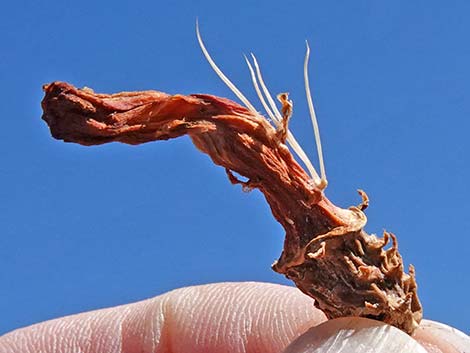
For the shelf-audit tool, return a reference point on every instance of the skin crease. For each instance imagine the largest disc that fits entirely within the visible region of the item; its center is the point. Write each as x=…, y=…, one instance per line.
x=224, y=317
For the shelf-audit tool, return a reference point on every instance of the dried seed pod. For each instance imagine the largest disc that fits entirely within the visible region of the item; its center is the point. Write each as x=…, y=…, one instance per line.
x=326, y=251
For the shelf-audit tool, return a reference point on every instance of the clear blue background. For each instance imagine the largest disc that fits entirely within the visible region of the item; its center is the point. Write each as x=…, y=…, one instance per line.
x=85, y=228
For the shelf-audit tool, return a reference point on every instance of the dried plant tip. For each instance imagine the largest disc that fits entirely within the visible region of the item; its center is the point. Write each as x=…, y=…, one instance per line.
x=326, y=251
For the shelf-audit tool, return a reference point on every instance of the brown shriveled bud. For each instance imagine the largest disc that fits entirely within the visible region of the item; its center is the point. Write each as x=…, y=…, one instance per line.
x=326, y=251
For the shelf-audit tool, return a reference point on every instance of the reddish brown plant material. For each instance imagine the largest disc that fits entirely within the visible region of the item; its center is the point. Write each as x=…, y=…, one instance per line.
x=326, y=251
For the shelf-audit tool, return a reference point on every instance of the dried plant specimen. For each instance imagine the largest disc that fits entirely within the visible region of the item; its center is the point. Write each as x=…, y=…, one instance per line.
x=326, y=251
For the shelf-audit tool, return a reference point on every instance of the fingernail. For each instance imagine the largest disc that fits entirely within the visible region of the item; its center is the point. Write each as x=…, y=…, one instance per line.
x=354, y=335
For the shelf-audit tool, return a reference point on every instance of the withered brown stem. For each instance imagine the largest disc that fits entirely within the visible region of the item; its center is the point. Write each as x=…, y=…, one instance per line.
x=326, y=251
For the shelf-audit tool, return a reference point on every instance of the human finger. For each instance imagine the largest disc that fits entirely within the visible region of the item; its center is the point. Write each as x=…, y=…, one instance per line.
x=224, y=317
x=231, y=317
x=359, y=335
x=437, y=338
x=354, y=335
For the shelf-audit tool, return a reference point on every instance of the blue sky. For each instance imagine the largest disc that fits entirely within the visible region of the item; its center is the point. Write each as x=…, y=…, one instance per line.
x=90, y=227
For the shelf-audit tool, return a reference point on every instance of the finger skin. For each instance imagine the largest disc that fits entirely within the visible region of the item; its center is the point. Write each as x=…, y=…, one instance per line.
x=354, y=335
x=437, y=338
x=224, y=317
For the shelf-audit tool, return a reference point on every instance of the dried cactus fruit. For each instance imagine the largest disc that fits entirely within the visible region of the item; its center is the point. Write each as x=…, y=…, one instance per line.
x=326, y=252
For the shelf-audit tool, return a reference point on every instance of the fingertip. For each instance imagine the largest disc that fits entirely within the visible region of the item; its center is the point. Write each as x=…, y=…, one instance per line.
x=224, y=317
x=437, y=338
x=354, y=335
